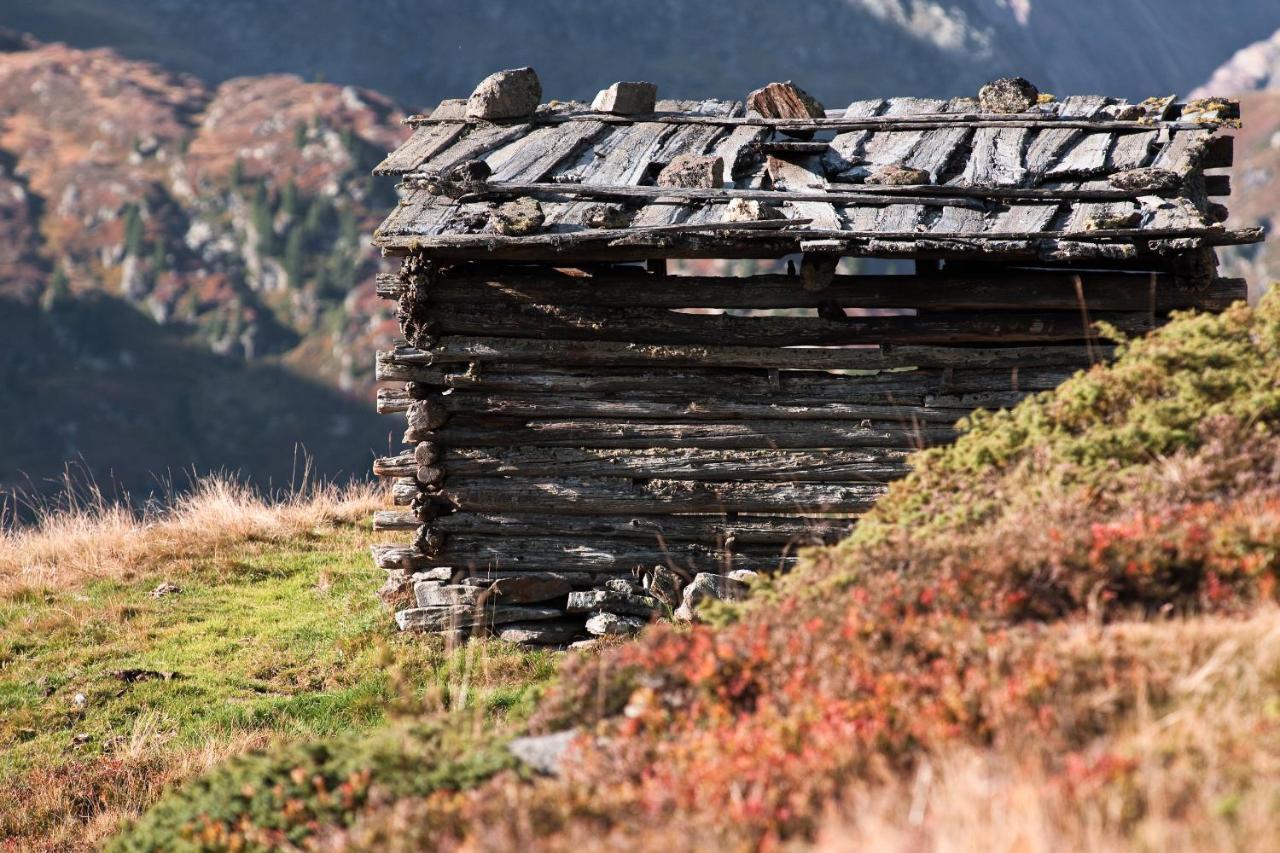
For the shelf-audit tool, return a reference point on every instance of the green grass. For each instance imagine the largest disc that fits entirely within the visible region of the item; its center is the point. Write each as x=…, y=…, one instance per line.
x=281, y=641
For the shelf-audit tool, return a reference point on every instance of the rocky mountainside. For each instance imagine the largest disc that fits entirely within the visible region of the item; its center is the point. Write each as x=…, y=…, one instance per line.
x=172, y=256
x=423, y=50
x=1251, y=69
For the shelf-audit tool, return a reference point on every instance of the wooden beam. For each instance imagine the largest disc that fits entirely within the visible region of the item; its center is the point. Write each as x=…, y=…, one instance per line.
x=935, y=195
x=865, y=465
x=562, y=353
x=878, y=387
x=660, y=326
x=740, y=530
x=612, y=496
x=997, y=290
x=603, y=556
x=668, y=406
x=920, y=121
x=465, y=431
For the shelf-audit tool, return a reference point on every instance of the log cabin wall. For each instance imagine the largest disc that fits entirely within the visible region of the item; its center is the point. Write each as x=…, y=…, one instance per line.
x=586, y=432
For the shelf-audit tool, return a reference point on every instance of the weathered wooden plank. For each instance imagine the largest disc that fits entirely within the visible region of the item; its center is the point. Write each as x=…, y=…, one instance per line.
x=805, y=176
x=1087, y=157
x=1045, y=149
x=1013, y=290
x=425, y=143
x=846, y=149
x=842, y=465
x=475, y=145
x=959, y=220
x=893, y=146
x=1082, y=106
x=602, y=556
x=1183, y=151
x=1024, y=217
x=611, y=496
x=906, y=386
x=659, y=326
x=1131, y=150
x=996, y=158
x=561, y=353
x=625, y=156
x=536, y=154
x=708, y=529
x=595, y=432
x=835, y=120
x=1086, y=215
x=418, y=211
x=937, y=149
x=672, y=406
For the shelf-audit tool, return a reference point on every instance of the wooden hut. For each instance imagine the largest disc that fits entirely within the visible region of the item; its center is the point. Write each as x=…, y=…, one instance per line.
x=593, y=420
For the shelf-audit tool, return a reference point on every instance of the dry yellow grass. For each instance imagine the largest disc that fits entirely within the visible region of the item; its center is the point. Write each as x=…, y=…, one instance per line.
x=99, y=539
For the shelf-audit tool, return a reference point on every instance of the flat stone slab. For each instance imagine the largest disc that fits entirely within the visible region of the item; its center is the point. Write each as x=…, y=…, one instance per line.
x=611, y=601
x=543, y=753
x=612, y=624
x=708, y=585
x=436, y=594
x=448, y=618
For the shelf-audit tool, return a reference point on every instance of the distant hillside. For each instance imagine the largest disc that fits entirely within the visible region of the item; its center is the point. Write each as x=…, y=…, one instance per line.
x=172, y=256
x=423, y=50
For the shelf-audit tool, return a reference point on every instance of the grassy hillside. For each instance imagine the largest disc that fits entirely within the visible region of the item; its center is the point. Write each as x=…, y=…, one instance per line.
x=1060, y=633
x=268, y=633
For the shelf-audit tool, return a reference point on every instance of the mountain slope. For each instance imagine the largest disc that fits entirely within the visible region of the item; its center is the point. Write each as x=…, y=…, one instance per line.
x=838, y=49
x=171, y=251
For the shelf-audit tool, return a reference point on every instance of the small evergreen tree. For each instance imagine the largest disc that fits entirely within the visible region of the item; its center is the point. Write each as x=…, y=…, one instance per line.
x=263, y=219
x=159, y=258
x=294, y=257
x=289, y=199
x=134, y=232
x=57, y=289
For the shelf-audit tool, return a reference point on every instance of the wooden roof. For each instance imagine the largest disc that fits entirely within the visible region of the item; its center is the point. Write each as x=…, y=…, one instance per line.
x=1041, y=184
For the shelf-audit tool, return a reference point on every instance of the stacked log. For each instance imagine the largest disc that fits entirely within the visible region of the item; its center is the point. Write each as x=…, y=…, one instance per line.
x=586, y=446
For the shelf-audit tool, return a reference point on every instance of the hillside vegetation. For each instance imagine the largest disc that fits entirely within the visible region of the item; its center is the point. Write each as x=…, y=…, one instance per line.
x=1060, y=633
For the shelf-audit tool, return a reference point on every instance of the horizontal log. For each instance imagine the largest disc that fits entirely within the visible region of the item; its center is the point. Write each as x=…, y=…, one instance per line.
x=404, y=490
x=616, y=495
x=406, y=465
x=842, y=465
x=562, y=353
x=920, y=121
x=1018, y=290
x=743, y=529
x=612, y=243
x=661, y=326
x=599, y=432
x=395, y=519
x=875, y=386
x=857, y=194
x=652, y=406
x=940, y=195
x=607, y=556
